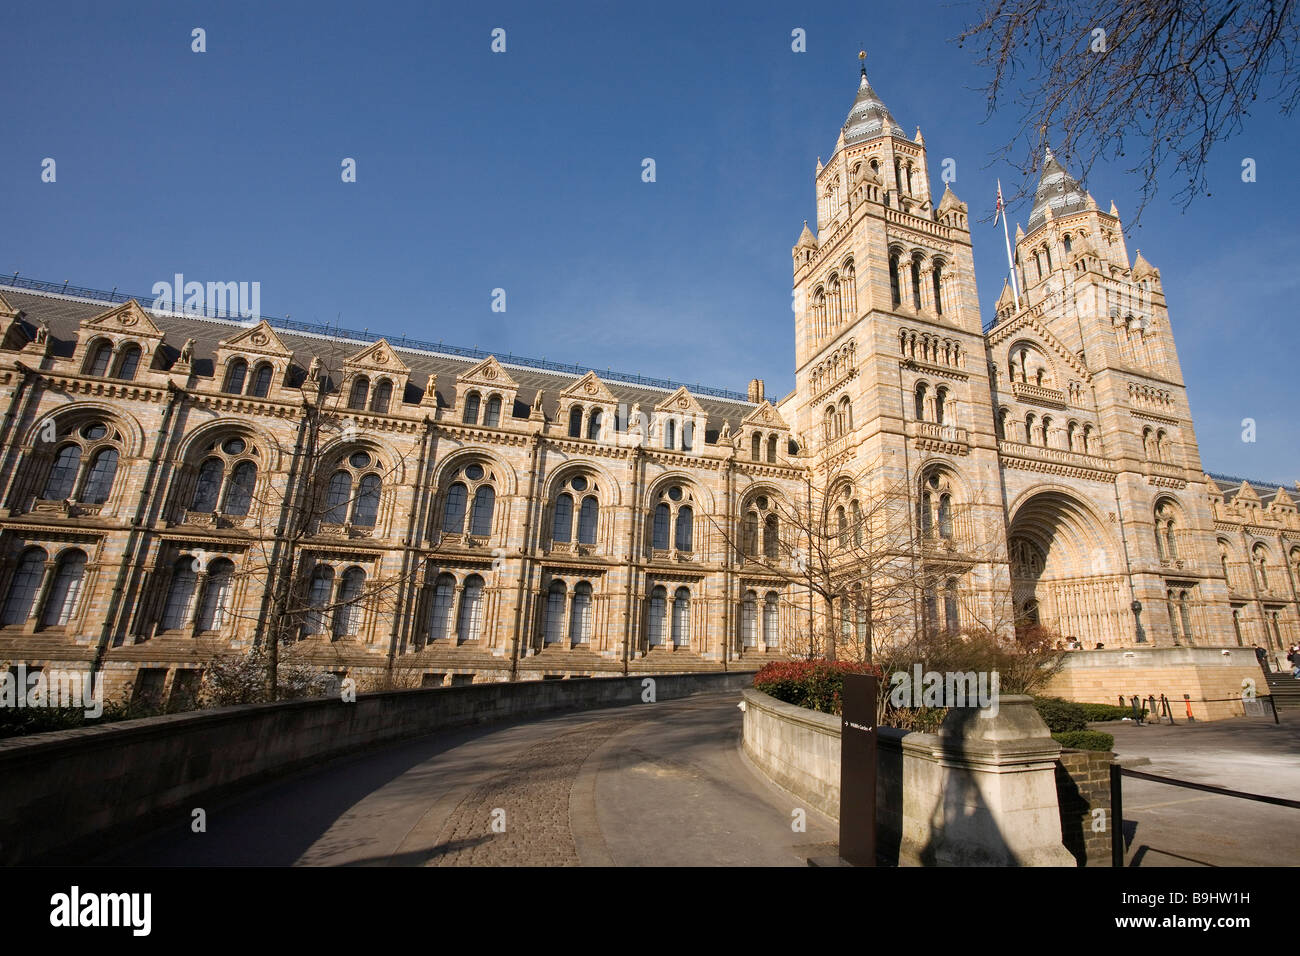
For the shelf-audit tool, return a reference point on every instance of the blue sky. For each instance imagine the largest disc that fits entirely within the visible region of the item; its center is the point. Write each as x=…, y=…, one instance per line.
x=522, y=171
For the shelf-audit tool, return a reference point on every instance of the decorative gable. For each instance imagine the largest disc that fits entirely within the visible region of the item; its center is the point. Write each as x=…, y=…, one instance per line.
x=104, y=339
x=588, y=408
x=763, y=433
x=375, y=378
x=485, y=393
x=240, y=362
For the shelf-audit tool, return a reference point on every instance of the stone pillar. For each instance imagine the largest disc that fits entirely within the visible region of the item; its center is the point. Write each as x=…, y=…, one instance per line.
x=982, y=792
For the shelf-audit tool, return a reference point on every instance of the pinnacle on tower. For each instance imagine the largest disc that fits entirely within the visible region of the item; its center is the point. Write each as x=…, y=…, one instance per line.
x=1058, y=193
x=869, y=118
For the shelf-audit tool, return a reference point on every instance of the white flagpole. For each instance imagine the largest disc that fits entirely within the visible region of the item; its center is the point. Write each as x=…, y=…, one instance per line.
x=1011, y=262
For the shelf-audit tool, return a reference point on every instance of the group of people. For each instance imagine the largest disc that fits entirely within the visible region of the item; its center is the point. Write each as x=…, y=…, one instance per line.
x=1292, y=656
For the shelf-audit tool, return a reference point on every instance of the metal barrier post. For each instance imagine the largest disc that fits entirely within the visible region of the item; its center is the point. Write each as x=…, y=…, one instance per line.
x=1137, y=709
x=1116, y=815
x=1164, y=705
x=1187, y=699
x=1273, y=703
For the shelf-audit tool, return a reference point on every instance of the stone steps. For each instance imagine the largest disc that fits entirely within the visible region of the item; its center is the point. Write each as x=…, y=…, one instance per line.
x=1285, y=690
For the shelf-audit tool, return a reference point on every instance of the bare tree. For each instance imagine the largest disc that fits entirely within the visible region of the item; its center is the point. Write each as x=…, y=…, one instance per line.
x=295, y=517
x=1154, y=82
x=855, y=549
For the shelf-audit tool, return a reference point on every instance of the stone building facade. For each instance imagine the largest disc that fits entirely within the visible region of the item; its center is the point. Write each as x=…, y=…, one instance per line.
x=177, y=487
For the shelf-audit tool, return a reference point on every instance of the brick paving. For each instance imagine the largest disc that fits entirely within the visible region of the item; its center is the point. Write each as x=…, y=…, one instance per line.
x=533, y=791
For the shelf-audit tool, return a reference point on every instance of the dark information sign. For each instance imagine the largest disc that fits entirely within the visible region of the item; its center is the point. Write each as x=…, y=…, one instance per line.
x=858, y=770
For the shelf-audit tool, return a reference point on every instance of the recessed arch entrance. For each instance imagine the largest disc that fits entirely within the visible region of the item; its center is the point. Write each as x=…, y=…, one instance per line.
x=1065, y=575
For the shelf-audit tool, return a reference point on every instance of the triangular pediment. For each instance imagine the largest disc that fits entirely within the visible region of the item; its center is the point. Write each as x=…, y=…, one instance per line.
x=6, y=310
x=379, y=356
x=128, y=317
x=680, y=402
x=1282, y=498
x=488, y=372
x=1246, y=493
x=765, y=416
x=261, y=338
x=1028, y=323
x=589, y=388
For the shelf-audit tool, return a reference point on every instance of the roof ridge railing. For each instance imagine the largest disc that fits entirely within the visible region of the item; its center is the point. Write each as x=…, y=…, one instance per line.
x=334, y=331
x=1238, y=479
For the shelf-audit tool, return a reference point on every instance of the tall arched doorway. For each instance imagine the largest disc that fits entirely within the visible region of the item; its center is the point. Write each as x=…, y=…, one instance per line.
x=1065, y=574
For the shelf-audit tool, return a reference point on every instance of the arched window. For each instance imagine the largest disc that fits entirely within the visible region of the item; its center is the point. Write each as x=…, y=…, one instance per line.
x=587, y=520
x=470, y=416
x=1166, y=522
x=208, y=487
x=453, y=516
x=469, y=625
x=749, y=540
x=855, y=514
x=562, y=521
x=895, y=290
x=945, y=515
x=1260, y=554
x=688, y=435
x=261, y=386
x=593, y=424
x=319, y=590
x=24, y=586
x=682, y=618
x=63, y=474
x=347, y=616
x=580, y=616
x=215, y=608
x=444, y=591
x=670, y=433
x=1185, y=613
x=937, y=276
x=940, y=399
x=366, y=511
x=660, y=542
x=180, y=594
x=916, y=283
x=337, y=496
x=480, y=523
x=383, y=397
x=99, y=479
x=749, y=619
x=755, y=447
x=1047, y=431
x=770, y=619
x=1236, y=627
x=128, y=363
x=658, y=610
x=575, y=421
x=950, y=619
x=842, y=527
x=555, y=601
x=493, y=417
x=61, y=603
x=100, y=356
x=239, y=491
x=360, y=393
x=771, y=449
x=919, y=404
x=236, y=371
x=846, y=415
x=1068, y=244
x=771, y=537
x=684, y=537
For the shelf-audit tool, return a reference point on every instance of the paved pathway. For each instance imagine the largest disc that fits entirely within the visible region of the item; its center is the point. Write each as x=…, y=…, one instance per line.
x=1174, y=826
x=642, y=785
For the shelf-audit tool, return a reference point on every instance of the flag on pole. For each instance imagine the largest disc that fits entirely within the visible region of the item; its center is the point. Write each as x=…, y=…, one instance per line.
x=1001, y=206
x=1011, y=263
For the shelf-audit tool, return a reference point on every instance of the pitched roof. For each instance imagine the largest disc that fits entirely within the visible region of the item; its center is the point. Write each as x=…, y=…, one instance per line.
x=65, y=313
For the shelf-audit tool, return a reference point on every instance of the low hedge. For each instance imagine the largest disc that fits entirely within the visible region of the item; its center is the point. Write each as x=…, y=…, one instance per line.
x=1085, y=740
x=1060, y=715
x=814, y=684
x=1099, y=712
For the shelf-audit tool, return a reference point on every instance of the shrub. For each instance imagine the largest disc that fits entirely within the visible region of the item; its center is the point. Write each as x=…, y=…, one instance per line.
x=1085, y=740
x=1107, y=712
x=813, y=684
x=1060, y=715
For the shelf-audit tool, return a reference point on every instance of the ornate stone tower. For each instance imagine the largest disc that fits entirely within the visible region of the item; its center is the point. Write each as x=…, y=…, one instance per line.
x=1110, y=533
x=892, y=385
